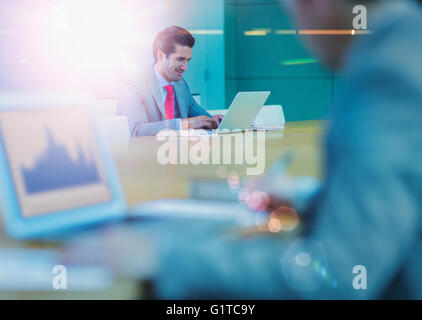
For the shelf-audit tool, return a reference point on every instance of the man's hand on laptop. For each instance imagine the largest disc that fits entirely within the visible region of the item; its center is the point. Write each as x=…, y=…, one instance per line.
x=201, y=122
x=218, y=118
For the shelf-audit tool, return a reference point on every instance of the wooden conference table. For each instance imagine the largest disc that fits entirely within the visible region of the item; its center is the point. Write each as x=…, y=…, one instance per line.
x=143, y=178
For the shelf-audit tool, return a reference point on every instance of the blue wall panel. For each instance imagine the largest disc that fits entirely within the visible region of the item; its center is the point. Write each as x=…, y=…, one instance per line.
x=264, y=53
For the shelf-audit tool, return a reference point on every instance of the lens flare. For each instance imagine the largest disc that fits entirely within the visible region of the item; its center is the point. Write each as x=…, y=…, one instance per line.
x=258, y=201
x=303, y=259
x=287, y=216
x=233, y=180
x=274, y=225
x=95, y=41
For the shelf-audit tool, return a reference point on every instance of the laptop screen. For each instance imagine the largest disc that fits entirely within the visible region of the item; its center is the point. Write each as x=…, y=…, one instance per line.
x=54, y=159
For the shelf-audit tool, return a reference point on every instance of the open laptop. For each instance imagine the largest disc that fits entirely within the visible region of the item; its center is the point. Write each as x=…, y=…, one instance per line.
x=58, y=174
x=242, y=111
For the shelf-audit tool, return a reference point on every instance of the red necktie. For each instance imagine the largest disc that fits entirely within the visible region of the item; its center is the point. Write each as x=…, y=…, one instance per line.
x=169, y=104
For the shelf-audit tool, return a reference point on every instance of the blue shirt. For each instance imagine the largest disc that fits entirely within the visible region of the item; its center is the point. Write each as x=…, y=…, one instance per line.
x=161, y=84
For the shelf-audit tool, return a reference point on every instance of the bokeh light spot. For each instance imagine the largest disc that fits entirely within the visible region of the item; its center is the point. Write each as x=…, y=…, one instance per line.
x=274, y=225
x=288, y=217
x=258, y=200
x=303, y=259
x=233, y=180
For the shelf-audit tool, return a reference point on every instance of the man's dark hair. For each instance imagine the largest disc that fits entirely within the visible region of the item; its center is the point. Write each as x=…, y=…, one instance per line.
x=166, y=40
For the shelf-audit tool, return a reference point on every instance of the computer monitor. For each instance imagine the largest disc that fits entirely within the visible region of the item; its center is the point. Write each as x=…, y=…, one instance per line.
x=57, y=172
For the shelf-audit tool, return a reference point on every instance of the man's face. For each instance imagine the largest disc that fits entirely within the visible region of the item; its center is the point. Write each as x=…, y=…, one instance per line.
x=175, y=64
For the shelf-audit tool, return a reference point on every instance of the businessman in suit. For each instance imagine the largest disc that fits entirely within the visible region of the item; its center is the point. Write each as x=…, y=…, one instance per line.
x=159, y=98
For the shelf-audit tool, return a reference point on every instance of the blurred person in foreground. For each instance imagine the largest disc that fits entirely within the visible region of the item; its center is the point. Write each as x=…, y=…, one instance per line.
x=368, y=210
x=365, y=218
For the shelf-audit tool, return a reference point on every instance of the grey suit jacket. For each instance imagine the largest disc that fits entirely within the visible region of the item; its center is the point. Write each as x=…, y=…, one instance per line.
x=369, y=211
x=141, y=102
